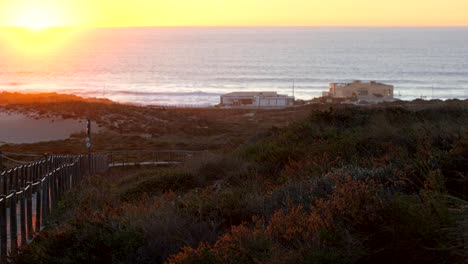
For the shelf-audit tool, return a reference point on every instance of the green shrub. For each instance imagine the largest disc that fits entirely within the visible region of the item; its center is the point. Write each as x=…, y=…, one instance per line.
x=159, y=183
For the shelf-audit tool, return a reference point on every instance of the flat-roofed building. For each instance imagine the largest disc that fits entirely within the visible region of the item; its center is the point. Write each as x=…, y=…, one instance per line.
x=361, y=91
x=256, y=99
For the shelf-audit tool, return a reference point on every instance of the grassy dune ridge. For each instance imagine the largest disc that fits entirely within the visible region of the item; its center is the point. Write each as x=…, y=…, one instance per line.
x=332, y=184
x=127, y=127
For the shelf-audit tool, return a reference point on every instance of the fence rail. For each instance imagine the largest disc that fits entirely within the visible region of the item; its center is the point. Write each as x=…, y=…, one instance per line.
x=28, y=193
x=152, y=157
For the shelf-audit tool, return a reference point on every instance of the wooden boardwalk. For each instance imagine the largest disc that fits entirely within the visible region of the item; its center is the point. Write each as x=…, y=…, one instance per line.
x=145, y=163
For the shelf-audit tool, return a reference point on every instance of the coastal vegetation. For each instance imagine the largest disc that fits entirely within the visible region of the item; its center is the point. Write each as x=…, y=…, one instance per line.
x=316, y=184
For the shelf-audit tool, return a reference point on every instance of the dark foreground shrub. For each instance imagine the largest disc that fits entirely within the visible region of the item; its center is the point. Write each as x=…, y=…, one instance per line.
x=84, y=242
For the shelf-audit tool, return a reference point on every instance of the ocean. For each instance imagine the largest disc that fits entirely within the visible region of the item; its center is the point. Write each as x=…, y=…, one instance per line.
x=193, y=66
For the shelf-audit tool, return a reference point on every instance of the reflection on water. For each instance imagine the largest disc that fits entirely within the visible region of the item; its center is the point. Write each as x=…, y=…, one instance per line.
x=30, y=129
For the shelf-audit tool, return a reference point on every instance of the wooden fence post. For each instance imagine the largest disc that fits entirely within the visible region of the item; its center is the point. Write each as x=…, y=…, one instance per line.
x=47, y=194
x=70, y=175
x=3, y=178
x=33, y=173
x=24, y=175
x=29, y=209
x=47, y=163
x=52, y=186
x=10, y=178
x=64, y=179
x=67, y=177
x=74, y=172
x=59, y=182
x=39, y=209
x=23, y=218
x=63, y=169
x=3, y=229
x=16, y=175
x=13, y=224
x=19, y=175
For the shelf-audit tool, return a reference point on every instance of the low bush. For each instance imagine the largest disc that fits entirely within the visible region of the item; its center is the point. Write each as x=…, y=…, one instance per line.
x=159, y=183
x=346, y=185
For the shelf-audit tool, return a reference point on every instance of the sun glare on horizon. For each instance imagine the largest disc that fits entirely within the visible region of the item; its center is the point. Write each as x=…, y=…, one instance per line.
x=37, y=19
x=36, y=40
x=40, y=14
x=36, y=27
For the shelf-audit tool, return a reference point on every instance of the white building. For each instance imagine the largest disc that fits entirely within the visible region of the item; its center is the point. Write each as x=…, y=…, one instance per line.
x=256, y=99
x=361, y=91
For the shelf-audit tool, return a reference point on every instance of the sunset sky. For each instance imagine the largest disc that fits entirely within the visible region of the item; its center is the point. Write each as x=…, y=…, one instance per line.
x=105, y=13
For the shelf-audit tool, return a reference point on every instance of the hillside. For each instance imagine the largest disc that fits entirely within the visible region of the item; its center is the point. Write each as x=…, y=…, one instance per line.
x=340, y=184
x=127, y=127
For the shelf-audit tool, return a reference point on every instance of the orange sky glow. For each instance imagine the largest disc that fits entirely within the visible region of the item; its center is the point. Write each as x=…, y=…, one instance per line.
x=40, y=14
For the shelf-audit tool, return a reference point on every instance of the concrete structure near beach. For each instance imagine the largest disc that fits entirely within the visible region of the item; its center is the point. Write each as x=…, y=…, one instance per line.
x=256, y=99
x=359, y=91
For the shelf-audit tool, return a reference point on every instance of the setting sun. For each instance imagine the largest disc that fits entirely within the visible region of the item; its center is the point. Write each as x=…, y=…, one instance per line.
x=37, y=19
x=39, y=15
x=35, y=27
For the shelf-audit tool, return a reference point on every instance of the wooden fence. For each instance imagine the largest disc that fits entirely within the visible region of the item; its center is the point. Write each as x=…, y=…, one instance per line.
x=29, y=192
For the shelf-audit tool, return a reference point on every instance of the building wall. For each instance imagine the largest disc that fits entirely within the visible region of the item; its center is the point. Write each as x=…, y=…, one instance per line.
x=273, y=101
x=240, y=100
x=257, y=101
x=369, y=90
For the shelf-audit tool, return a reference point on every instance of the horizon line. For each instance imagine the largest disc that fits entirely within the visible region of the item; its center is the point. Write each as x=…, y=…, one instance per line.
x=244, y=26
